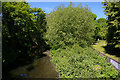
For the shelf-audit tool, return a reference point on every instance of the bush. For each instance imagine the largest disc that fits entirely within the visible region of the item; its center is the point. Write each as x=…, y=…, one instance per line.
x=77, y=62
x=70, y=25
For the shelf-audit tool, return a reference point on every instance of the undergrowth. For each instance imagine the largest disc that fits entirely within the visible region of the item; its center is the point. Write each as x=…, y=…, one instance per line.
x=78, y=62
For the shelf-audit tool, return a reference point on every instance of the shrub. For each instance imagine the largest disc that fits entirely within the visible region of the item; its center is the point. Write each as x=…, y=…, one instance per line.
x=70, y=25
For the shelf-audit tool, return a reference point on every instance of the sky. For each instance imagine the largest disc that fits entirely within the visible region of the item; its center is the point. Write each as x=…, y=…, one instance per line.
x=95, y=7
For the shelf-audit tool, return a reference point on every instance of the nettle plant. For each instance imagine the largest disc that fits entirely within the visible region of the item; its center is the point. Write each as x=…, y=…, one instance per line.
x=77, y=62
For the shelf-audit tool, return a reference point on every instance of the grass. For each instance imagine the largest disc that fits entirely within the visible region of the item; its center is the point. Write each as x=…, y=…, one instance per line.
x=101, y=47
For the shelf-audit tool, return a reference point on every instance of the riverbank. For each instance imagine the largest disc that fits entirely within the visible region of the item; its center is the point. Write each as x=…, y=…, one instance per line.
x=78, y=62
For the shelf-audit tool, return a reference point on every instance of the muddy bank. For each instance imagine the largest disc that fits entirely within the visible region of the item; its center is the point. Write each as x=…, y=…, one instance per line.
x=40, y=68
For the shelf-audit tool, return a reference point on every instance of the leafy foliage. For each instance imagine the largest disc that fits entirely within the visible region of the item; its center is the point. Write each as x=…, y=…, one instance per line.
x=21, y=23
x=101, y=28
x=112, y=10
x=70, y=25
x=77, y=62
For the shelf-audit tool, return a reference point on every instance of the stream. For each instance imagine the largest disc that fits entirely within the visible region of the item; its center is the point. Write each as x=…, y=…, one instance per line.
x=40, y=68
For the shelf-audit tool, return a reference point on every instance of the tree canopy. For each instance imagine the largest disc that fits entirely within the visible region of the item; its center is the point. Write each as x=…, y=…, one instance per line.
x=112, y=10
x=101, y=28
x=22, y=28
x=70, y=25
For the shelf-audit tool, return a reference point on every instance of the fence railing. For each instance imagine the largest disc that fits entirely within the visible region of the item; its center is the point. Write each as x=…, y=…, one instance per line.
x=115, y=63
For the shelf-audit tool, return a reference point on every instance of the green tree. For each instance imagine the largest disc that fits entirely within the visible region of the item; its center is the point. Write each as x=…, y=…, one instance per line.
x=70, y=25
x=22, y=28
x=112, y=10
x=101, y=28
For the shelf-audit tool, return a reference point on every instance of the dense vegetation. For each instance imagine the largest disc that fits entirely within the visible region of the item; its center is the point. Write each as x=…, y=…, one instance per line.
x=70, y=25
x=101, y=29
x=69, y=31
x=112, y=10
x=110, y=33
x=23, y=28
x=22, y=31
x=77, y=62
x=69, y=37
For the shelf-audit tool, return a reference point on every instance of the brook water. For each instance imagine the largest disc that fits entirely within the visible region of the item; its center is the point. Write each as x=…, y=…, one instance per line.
x=40, y=68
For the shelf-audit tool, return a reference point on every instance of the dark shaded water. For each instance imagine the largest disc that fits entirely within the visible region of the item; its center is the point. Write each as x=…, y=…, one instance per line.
x=40, y=68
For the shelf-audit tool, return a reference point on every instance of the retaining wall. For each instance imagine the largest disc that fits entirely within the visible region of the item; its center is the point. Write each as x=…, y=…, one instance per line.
x=115, y=63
